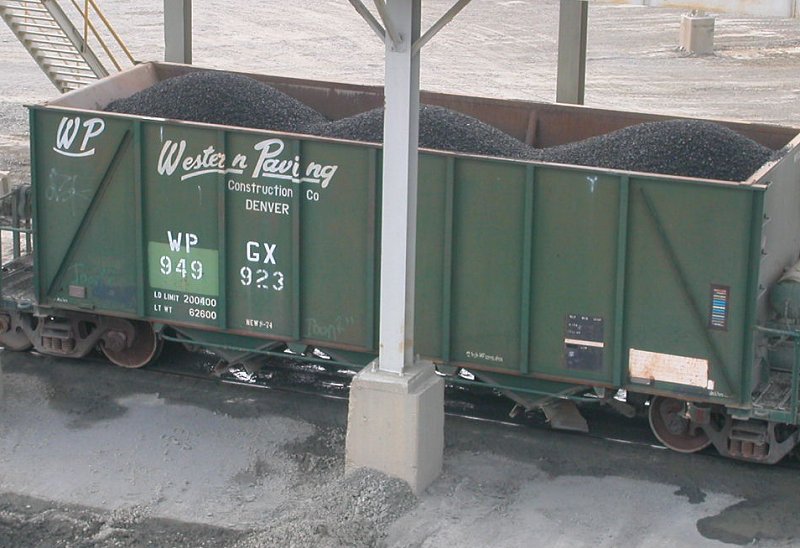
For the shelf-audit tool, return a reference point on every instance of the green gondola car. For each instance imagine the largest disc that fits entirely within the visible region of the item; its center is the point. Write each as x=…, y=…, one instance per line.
x=550, y=281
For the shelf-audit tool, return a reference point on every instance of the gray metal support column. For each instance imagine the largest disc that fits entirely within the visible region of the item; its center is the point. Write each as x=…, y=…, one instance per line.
x=395, y=420
x=399, y=224
x=178, y=31
x=572, y=24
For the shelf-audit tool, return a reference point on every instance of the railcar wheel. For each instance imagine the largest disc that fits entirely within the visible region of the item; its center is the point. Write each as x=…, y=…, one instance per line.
x=132, y=351
x=12, y=335
x=673, y=428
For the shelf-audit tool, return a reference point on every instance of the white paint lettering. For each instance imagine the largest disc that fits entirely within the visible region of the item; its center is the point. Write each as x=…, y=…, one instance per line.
x=239, y=162
x=278, y=208
x=182, y=239
x=322, y=174
x=269, y=149
x=94, y=127
x=67, y=133
x=252, y=251
x=170, y=157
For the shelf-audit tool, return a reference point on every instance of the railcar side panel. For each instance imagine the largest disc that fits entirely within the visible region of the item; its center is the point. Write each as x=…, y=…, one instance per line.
x=561, y=273
x=84, y=194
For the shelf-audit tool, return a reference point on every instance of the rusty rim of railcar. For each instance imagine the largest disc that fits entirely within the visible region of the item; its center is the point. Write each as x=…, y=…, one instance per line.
x=670, y=423
x=136, y=351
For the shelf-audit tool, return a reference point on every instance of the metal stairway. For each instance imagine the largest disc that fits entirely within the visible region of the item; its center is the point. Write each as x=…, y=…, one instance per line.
x=56, y=45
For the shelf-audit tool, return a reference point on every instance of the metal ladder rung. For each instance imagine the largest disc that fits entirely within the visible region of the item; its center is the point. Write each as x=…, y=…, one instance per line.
x=41, y=38
x=28, y=28
x=47, y=59
x=9, y=14
x=24, y=4
x=48, y=40
x=79, y=82
x=61, y=36
x=72, y=73
x=36, y=26
x=82, y=67
x=46, y=48
x=22, y=8
x=31, y=17
x=75, y=76
x=64, y=55
x=71, y=58
x=54, y=60
x=21, y=5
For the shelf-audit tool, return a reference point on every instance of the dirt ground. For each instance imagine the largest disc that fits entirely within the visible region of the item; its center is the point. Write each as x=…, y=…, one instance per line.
x=96, y=456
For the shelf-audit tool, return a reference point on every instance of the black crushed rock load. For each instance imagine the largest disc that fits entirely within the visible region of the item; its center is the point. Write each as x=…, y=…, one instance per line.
x=439, y=128
x=689, y=148
x=220, y=98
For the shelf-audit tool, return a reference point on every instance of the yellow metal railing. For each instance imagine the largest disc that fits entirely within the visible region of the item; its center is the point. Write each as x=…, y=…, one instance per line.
x=88, y=25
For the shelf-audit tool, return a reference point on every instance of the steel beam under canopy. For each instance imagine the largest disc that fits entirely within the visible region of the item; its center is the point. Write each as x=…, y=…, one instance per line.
x=399, y=202
x=381, y=32
x=401, y=35
x=573, y=17
x=178, y=31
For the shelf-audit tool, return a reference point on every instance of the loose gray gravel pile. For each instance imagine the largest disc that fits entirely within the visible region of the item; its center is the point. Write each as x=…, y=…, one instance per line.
x=691, y=148
x=439, y=128
x=352, y=512
x=220, y=98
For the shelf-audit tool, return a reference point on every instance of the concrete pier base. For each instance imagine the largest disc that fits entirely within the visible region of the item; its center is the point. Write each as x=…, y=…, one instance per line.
x=697, y=33
x=395, y=424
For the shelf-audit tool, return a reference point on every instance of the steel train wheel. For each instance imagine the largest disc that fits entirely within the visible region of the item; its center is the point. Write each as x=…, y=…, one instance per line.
x=144, y=347
x=673, y=428
x=12, y=335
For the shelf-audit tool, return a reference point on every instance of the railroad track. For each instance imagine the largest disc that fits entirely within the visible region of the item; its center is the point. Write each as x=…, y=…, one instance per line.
x=472, y=402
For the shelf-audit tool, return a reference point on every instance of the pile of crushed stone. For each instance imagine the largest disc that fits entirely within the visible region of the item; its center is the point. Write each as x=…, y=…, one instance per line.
x=689, y=148
x=356, y=510
x=220, y=98
x=439, y=128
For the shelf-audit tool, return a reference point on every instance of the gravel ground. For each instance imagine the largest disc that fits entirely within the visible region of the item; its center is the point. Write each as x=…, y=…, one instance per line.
x=94, y=455
x=28, y=521
x=354, y=510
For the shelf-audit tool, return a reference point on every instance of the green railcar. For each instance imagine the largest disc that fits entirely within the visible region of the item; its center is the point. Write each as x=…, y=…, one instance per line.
x=550, y=281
